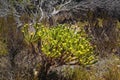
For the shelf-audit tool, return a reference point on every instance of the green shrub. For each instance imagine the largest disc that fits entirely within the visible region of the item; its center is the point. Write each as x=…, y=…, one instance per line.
x=61, y=42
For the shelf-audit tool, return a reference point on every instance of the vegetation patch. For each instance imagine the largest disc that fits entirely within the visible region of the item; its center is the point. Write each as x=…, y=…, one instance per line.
x=3, y=48
x=62, y=42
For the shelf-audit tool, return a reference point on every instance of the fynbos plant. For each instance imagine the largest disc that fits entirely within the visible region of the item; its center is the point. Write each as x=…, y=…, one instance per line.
x=61, y=43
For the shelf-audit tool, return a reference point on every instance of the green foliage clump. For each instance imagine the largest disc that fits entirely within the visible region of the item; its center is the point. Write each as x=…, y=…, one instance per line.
x=30, y=33
x=61, y=42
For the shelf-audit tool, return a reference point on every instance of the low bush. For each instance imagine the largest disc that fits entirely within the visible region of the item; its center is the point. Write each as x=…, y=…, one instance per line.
x=61, y=42
x=59, y=45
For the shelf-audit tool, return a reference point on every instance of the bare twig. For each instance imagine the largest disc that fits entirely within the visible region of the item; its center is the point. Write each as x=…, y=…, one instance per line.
x=62, y=5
